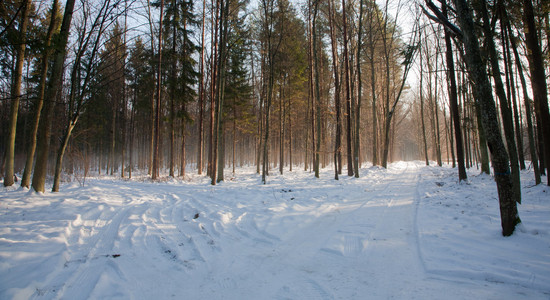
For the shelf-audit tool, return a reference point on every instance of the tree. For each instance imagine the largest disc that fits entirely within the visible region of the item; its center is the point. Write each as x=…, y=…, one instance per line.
x=453, y=100
x=483, y=94
x=16, y=90
x=79, y=89
x=389, y=32
x=337, y=85
x=272, y=44
x=179, y=19
x=43, y=143
x=348, y=90
x=156, y=136
x=45, y=59
x=538, y=79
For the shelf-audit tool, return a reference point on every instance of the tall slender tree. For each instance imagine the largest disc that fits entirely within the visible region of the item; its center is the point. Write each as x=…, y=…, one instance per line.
x=54, y=85
x=538, y=80
x=16, y=90
x=483, y=94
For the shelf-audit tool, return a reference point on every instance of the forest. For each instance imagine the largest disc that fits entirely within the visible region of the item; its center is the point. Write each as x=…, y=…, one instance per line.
x=173, y=87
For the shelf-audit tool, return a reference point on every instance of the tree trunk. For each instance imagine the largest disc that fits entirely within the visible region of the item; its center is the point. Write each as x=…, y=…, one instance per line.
x=483, y=94
x=155, y=172
x=528, y=109
x=219, y=145
x=60, y=154
x=317, y=96
x=359, y=92
x=54, y=85
x=538, y=80
x=201, y=94
x=425, y=141
x=183, y=153
x=348, y=90
x=26, y=179
x=374, y=112
x=337, y=104
x=16, y=92
x=281, y=128
x=453, y=99
x=511, y=92
x=506, y=112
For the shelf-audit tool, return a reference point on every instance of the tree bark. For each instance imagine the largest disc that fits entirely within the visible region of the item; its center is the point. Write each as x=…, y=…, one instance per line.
x=16, y=92
x=538, y=80
x=54, y=85
x=453, y=99
x=483, y=94
x=31, y=150
x=337, y=104
x=201, y=94
x=359, y=92
x=348, y=90
x=528, y=108
x=156, y=148
x=425, y=141
x=506, y=112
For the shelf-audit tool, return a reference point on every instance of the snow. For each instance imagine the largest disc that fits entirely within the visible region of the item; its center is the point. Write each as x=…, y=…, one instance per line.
x=408, y=232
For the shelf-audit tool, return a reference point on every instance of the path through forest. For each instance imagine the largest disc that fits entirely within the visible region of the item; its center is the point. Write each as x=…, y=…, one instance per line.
x=295, y=238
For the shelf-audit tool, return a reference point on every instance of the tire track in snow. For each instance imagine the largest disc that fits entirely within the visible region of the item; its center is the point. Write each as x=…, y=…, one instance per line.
x=88, y=242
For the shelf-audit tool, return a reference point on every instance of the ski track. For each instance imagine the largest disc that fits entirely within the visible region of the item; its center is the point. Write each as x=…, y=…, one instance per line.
x=347, y=239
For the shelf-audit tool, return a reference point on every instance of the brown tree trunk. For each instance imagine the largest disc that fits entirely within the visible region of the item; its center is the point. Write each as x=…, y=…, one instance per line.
x=528, y=109
x=424, y=140
x=26, y=179
x=201, y=94
x=453, y=99
x=357, y=144
x=506, y=112
x=156, y=148
x=538, y=80
x=54, y=85
x=337, y=104
x=348, y=90
x=16, y=92
x=483, y=94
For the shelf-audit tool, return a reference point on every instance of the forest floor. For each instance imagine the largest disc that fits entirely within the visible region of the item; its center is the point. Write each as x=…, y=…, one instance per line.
x=408, y=232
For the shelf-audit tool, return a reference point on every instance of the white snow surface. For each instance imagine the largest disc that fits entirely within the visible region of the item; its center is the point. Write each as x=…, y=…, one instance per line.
x=408, y=232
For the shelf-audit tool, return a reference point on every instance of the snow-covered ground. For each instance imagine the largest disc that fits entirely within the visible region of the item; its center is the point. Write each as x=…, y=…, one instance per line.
x=409, y=232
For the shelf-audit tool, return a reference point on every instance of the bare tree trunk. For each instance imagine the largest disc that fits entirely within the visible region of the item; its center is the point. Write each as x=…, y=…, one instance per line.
x=528, y=109
x=506, y=112
x=183, y=153
x=337, y=104
x=538, y=80
x=374, y=112
x=156, y=148
x=201, y=94
x=453, y=99
x=173, y=76
x=348, y=90
x=26, y=179
x=425, y=141
x=152, y=140
x=212, y=158
x=281, y=128
x=359, y=92
x=16, y=92
x=54, y=85
x=219, y=150
x=483, y=94
x=511, y=92
x=316, y=121
x=290, y=133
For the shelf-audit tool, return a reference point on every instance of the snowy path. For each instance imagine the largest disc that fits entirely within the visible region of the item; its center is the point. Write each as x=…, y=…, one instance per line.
x=385, y=235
